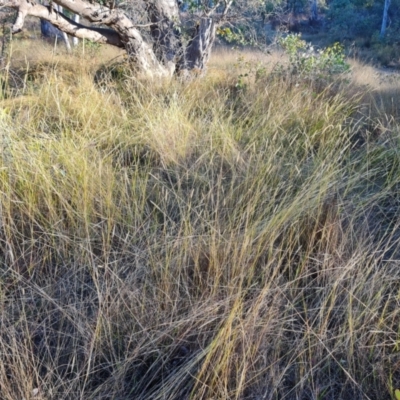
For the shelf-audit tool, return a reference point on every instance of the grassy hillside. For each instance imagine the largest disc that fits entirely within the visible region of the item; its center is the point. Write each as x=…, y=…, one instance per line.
x=234, y=237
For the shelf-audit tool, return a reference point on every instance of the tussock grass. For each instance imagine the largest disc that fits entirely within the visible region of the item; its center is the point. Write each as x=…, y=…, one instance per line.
x=196, y=240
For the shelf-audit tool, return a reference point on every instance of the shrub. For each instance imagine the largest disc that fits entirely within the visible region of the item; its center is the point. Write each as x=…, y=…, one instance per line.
x=308, y=64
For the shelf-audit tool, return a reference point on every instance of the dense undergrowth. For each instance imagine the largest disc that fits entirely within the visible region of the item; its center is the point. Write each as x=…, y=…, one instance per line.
x=201, y=240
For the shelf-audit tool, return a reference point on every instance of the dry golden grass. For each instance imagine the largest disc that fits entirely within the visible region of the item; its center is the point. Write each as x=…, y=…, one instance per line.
x=31, y=54
x=201, y=240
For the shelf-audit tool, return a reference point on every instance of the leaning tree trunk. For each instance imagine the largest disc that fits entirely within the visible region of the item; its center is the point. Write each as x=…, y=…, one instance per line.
x=164, y=55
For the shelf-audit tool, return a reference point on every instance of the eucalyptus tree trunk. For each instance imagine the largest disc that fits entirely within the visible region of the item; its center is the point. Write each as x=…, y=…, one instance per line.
x=75, y=40
x=199, y=49
x=156, y=48
x=384, y=18
x=65, y=36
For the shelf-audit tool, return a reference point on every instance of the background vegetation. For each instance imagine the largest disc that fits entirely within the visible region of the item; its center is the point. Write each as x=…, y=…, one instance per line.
x=356, y=23
x=234, y=237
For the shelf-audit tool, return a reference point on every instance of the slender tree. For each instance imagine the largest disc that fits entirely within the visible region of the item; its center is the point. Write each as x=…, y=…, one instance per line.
x=75, y=40
x=65, y=36
x=385, y=18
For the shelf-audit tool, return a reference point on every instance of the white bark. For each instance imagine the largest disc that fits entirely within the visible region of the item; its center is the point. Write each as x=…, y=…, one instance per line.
x=199, y=50
x=75, y=40
x=60, y=21
x=65, y=36
x=161, y=57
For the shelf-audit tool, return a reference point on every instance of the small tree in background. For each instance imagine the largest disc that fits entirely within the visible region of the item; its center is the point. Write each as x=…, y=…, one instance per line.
x=385, y=18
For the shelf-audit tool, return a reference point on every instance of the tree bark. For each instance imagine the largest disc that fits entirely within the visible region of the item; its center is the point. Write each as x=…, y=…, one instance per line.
x=164, y=55
x=199, y=49
x=75, y=40
x=164, y=16
x=63, y=23
x=140, y=52
x=65, y=36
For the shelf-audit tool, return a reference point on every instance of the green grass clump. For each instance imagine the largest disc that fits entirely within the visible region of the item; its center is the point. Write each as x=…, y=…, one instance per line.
x=196, y=240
